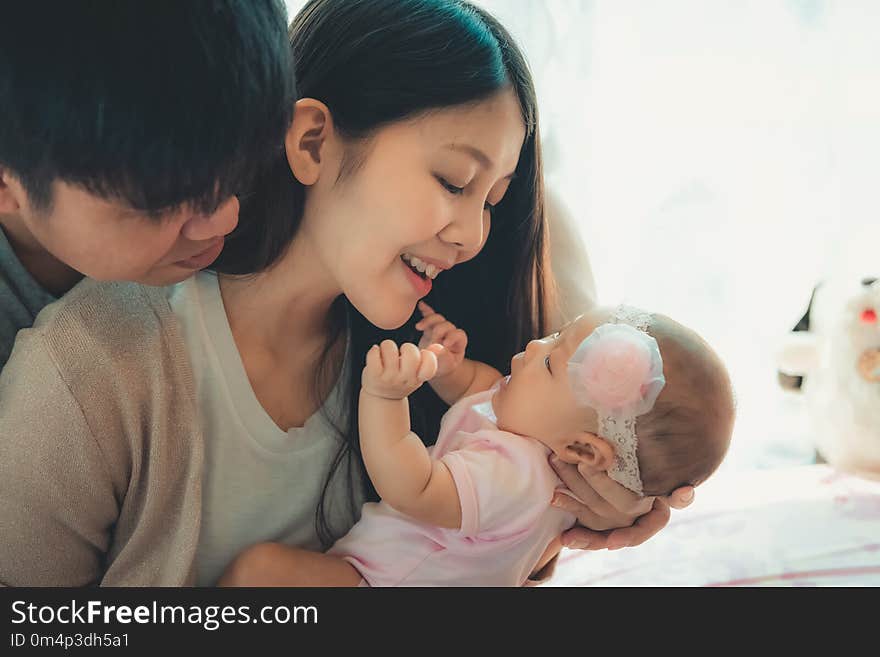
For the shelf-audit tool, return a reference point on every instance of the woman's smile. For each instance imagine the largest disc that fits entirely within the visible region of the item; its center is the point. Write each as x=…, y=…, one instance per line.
x=421, y=282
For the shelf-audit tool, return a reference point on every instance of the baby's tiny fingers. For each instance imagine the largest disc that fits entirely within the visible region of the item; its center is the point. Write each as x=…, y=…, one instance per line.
x=425, y=309
x=456, y=341
x=441, y=331
x=427, y=365
x=436, y=348
x=374, y=358
x=430, y=321
x=409, y=360
x=390, y=356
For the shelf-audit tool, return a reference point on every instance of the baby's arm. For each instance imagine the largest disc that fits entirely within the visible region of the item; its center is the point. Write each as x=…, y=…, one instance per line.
x=456, y=375
x=404, y=474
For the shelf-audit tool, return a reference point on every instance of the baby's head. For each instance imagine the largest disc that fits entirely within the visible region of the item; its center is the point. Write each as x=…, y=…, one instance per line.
x=681, y=438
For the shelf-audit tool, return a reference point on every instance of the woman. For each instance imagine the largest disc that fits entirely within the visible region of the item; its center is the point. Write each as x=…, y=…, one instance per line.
x=152, y=434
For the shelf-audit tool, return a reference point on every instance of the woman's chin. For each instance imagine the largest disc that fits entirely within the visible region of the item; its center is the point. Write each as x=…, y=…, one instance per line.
x=389, y=319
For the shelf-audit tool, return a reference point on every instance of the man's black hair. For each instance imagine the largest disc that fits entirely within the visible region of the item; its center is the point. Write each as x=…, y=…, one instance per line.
x=156, y=103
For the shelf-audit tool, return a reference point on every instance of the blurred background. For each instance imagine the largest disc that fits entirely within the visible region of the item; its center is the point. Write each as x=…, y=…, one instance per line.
x=719, y=159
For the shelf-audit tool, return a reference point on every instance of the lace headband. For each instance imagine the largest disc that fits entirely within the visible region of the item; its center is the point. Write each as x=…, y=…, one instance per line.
x=618, y=371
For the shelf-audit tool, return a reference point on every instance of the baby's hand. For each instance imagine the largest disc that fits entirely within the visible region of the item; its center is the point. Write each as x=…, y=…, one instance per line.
x=393, y=373
x=437, y=330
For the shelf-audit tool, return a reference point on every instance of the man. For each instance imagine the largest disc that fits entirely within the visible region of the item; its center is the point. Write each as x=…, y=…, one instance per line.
x=127, y=128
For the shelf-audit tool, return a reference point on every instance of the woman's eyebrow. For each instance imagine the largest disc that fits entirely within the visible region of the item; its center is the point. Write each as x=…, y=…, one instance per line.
x=484, y=160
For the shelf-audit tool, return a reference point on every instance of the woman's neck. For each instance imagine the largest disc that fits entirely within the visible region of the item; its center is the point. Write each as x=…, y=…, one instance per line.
x=280, y=320
x=285, y=307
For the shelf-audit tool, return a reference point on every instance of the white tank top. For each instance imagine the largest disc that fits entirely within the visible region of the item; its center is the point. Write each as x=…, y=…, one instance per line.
x=260, y=483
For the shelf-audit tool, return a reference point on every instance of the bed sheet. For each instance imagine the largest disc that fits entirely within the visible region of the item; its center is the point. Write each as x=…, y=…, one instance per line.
x=805, y=525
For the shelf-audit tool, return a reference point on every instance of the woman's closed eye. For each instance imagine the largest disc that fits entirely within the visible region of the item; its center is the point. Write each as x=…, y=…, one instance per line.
x=458, y=191
x=449, y=187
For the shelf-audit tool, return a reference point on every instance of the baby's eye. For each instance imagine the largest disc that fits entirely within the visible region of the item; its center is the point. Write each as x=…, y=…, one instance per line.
x=547, y=364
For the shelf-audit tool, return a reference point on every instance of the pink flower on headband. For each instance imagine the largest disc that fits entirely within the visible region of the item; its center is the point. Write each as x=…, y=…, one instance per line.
x=618, y=368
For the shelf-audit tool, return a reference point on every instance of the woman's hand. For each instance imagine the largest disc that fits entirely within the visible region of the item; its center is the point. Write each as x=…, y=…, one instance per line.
x=611, y=516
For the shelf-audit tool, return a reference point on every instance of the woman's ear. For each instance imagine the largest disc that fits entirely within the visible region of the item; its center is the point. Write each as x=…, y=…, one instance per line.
x=306, y=140
x=589, y=449
x=10, y=189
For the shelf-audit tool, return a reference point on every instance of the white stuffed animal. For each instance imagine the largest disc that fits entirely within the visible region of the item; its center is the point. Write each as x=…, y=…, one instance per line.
x=833, y=357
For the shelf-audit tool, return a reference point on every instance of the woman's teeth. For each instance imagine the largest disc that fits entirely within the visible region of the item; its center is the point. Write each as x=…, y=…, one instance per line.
x=422, y=267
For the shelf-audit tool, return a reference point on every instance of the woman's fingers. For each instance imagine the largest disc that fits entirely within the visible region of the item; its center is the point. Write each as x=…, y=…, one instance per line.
x=610, y=516
x=581, y=538
x=590, y=498
x=585, y=515
x=576, y=481
x=622, y=499
x=643, y=528
x=681, y=497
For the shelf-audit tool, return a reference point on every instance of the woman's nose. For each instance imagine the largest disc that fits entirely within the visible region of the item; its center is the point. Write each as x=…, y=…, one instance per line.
x=222, y=221
x=468, y=230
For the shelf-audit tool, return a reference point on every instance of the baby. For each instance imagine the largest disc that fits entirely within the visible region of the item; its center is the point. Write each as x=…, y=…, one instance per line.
x=617, y=389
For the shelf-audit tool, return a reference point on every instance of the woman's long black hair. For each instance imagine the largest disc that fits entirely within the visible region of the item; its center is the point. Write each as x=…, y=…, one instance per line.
x=374, y=62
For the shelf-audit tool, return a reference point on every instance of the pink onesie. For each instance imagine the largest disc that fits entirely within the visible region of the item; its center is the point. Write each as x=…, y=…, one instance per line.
x=505, y=485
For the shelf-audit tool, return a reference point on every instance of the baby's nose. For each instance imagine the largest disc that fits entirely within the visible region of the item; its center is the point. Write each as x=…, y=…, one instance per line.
x=531, y=347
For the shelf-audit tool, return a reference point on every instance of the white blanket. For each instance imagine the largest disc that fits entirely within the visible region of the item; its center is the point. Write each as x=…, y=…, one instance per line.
x=798, y=526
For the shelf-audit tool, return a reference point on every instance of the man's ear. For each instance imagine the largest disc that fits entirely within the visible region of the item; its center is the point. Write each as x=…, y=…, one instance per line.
x=306, y=140
x=10, y=191
x=589, y=449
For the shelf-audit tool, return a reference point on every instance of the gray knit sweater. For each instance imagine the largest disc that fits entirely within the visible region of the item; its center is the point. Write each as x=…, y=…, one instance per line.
x=100, y=447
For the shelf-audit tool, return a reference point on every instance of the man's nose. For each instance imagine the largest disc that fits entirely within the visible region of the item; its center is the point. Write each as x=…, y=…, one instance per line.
x=223, y=221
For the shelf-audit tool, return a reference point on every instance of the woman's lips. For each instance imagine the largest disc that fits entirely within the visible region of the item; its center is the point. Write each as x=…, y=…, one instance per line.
x=422, y=285
x=203, y=258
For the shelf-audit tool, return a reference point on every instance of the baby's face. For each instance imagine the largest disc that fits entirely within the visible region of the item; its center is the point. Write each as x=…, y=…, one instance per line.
x=538, y=401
